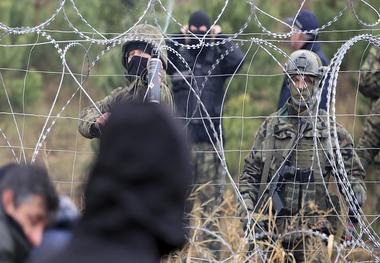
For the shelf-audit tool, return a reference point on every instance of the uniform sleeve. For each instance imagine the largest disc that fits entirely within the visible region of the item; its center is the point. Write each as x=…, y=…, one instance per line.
x=249, y=183
x=369, y=143
x=369, y=84
x=351, y=160
x=233, y=60
x=89, y=115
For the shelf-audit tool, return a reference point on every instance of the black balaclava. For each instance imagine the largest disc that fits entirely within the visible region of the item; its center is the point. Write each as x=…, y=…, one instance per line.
x=198, y=19
x=140, y=178
x=137, y=66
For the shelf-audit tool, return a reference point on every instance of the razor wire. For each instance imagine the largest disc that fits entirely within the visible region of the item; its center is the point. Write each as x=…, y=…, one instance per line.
x=263, y=44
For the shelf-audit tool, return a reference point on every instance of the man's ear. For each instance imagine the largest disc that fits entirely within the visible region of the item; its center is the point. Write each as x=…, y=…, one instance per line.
x=7, y=201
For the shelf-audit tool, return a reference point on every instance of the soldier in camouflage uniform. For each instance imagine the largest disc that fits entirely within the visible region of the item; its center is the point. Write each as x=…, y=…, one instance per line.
x=369, y=144
x=136, y=54
x=284, y=151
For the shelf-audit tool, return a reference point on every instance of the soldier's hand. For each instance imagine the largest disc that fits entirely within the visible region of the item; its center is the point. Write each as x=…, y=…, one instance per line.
x=360, y=193
x=102, y=119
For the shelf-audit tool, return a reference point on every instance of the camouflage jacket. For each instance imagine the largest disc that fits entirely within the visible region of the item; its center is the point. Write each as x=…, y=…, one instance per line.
x=369, y=143
x=271, y=141
x=370, y=76
x=134, y=91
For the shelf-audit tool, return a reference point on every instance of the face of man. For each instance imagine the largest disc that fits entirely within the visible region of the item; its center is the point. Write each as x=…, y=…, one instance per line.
x=138, y=53
x=201, y=29
x=302, y=89
x=137, y=62
x=30, y=214
x=297, y=40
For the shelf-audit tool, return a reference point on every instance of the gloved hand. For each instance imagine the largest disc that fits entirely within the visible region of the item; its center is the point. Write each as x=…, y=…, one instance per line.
x=360, y=193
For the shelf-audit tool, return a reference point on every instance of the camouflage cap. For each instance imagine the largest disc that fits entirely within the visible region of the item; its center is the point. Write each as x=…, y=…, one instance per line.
x=146, y=34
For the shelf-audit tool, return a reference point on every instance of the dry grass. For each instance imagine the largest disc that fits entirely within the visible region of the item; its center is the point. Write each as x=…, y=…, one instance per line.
x=227, y=233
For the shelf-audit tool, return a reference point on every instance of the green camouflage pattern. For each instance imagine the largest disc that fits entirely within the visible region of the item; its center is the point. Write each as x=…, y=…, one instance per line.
x=209, y=179
x=134, y=91
x=369, y=84
x=209, y=176
x=369, y=143
x=280, y=127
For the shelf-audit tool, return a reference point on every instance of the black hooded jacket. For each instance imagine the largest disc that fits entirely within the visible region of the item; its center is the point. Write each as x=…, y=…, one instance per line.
x=221, y=61
x=136, y=191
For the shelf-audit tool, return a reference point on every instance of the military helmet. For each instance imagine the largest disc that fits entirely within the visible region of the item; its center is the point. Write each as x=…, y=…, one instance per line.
x=304, y=62
x=146, y=36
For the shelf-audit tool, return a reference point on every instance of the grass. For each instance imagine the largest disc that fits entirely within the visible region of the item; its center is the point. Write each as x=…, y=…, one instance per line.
x=228, y=235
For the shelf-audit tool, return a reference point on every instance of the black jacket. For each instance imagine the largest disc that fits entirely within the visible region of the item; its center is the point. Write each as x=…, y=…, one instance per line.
x=210, y=88
x=136, y=191
x=14, y=245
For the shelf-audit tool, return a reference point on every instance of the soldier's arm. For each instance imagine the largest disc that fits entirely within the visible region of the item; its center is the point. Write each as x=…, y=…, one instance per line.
x=369, y=143
x=249, y=183
x=89, y=115
x=352, y=164
x=369, y=84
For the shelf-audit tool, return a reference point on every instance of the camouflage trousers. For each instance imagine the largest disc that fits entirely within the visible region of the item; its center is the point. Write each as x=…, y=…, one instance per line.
x=373, y=202
x=209, y=176
x=207, y=196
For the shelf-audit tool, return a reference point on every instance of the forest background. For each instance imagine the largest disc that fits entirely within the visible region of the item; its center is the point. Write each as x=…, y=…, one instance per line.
x=31, y=70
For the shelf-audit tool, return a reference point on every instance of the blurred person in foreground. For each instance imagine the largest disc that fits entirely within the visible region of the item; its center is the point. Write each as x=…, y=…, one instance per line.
x=136, y=190
x=299, y=175
x=28, y=202
x=305, y=21
x=144, y=42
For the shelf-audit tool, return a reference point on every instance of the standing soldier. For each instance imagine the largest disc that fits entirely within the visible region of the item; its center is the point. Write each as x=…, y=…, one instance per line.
x=286, y=165
x=369, y=144
x=200, y=80
x=210, y=89
x=137, y=53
